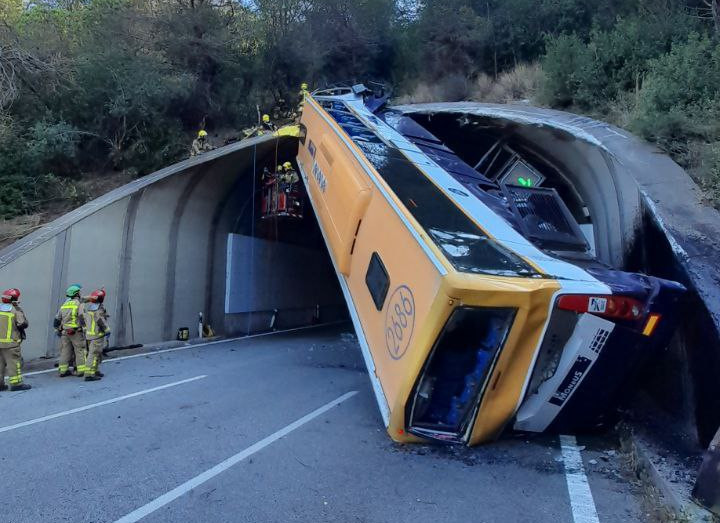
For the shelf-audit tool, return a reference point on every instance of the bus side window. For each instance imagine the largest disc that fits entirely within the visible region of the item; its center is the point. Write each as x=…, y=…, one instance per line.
x=377, y=281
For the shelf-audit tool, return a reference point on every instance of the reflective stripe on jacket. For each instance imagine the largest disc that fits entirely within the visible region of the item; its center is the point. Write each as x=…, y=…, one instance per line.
x=12, y=319
x=70, y=314
x=96, y=325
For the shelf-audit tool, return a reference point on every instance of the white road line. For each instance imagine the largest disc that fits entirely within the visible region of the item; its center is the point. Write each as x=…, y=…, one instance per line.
x=581, y=499
x=99, y=404
x=195, y=345
x=169, y=497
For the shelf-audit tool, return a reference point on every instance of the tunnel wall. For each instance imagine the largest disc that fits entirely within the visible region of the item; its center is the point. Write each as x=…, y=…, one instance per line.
x=649, y=216
x=158, y=246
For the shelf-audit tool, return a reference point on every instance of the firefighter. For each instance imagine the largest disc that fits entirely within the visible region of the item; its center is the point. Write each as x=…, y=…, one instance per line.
x=200, y=144
x=69, y=323
x=12, y=331
x=291, y=175
x=267, y=125
x=97, y=330
x=301, y=95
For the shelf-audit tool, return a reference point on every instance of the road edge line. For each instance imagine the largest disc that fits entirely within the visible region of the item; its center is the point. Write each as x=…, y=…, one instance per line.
x=582, y=503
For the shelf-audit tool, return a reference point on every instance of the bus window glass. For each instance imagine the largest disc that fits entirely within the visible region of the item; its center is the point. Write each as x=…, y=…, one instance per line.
x=464, y=244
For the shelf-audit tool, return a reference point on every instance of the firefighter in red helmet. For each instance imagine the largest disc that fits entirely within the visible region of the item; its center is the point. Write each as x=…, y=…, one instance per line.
x=12, y=332
x=97, y=330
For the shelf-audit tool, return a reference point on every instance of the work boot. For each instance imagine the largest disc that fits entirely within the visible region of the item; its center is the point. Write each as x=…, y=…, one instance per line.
x=100, y=374
x=22, y=386
x=92, y=378
x=65, y=374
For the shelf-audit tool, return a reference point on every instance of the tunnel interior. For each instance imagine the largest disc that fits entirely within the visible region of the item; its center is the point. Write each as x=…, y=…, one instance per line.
x=278, y=271
x=500, y=152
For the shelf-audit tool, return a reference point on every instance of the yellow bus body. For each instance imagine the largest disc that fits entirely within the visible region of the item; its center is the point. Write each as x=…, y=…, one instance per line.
x=360, y=215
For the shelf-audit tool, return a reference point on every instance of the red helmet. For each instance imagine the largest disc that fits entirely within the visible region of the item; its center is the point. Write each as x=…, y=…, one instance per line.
x=97, y=295
x=10, y=295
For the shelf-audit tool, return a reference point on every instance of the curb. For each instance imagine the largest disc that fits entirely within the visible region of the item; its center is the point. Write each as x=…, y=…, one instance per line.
x=671, y=505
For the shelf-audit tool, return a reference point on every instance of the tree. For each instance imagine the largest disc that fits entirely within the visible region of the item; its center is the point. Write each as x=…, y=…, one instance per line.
x=453, y=38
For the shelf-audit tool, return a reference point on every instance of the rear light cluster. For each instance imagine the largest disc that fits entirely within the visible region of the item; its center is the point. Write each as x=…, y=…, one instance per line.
x=616, y=307
x=451, y=384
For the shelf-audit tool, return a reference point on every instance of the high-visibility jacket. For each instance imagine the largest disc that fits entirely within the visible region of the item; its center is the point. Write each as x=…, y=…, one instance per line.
x=12, y=322
x=70, y=315
x=96, y=322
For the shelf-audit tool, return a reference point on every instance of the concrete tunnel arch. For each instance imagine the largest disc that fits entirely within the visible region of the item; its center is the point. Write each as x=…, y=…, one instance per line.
x=159, y=247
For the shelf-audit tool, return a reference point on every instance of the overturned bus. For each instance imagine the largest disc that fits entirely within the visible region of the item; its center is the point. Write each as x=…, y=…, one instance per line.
x=473, y=291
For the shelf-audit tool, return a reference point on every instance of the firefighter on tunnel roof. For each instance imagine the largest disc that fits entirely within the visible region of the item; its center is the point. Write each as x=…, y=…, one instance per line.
x=200, y=144
x=267, y=125
x=12, y=331
x=301, y=95
x=97, y=330
x=68, y=323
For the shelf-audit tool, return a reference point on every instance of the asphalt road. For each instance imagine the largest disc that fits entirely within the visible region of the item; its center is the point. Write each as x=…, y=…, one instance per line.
x=231, y=432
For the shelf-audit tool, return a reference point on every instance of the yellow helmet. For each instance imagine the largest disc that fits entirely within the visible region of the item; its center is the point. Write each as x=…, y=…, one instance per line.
x=287, y=166
x=266, y=118
x=202, y=133
x=303, y=86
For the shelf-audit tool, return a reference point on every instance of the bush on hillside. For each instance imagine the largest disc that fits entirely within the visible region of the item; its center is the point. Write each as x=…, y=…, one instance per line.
x=680, y=99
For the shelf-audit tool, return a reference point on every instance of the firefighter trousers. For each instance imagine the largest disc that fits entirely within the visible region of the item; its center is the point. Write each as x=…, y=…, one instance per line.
x=69, y=343
x=95, y=355
x=11, y=360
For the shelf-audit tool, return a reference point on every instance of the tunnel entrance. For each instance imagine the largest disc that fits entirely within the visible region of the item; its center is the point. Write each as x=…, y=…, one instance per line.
x=278, y=271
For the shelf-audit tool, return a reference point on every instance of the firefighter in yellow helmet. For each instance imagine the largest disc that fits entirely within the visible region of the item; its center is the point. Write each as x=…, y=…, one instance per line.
x=289, y=176
x=301, y=96
x=69, y=323
x=97, y=330
x=200, y=144
x=12, y=331
x=267, y=126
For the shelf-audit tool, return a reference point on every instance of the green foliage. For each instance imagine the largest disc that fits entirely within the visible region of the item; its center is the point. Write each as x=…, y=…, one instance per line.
x=125, y=84
x=711, y=180
x=588, y=73
x=680, y=98
x=453, y=37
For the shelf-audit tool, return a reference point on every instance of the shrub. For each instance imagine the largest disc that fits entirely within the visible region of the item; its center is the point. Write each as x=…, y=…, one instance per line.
x=680, y=100
x=569, y=76
x=520, y=83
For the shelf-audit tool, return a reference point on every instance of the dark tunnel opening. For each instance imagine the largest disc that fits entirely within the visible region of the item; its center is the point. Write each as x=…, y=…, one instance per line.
x=279, y=271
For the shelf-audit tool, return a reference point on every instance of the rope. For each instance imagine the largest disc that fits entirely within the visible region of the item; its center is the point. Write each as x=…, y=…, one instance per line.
x=252, y=239
x=277, y=193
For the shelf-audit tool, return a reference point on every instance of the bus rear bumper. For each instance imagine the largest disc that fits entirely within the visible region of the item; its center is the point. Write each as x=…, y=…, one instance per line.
x=594, y=363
